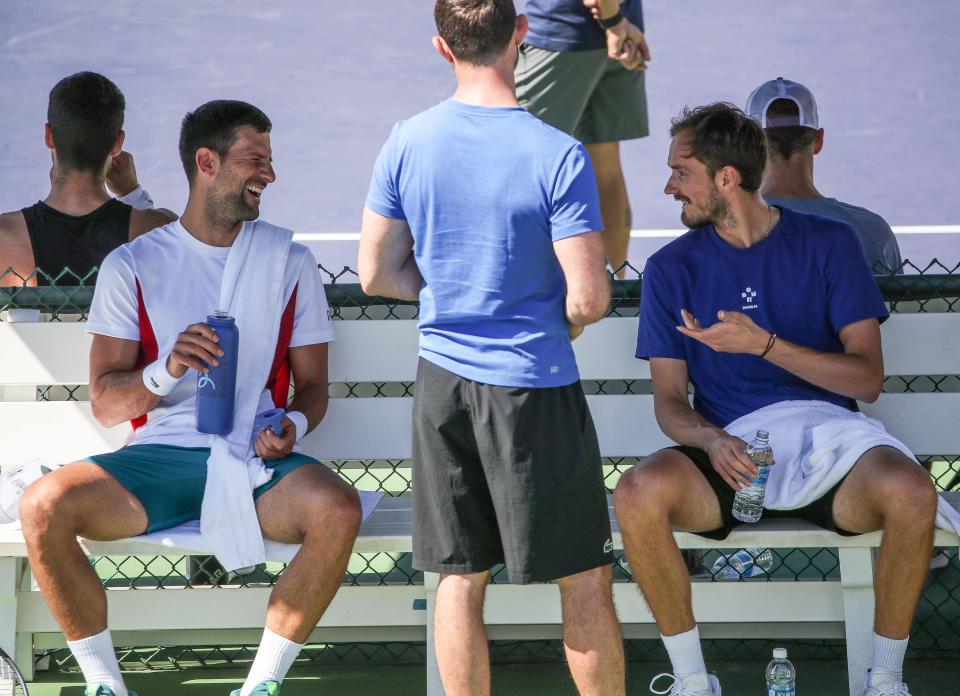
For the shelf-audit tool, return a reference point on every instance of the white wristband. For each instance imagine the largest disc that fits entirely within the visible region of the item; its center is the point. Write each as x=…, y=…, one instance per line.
x=299, y=423
x=138, y=198
x=156, y=378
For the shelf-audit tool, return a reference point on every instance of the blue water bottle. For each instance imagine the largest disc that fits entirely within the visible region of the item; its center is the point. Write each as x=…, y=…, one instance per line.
x=216, y=390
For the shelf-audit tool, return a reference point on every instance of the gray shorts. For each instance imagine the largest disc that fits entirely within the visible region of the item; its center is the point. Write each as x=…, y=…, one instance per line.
x=506, y=475
x=583, y=93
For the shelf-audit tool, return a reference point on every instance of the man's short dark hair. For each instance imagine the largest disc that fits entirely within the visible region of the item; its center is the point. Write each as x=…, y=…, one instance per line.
x=85, y=113
x=214, y=126
x=477, y=31
x=722, y=135
x=785, y=141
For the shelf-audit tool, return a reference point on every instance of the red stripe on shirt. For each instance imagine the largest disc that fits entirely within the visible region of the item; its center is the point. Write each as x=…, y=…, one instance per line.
x=279, y=380
x=148, y=345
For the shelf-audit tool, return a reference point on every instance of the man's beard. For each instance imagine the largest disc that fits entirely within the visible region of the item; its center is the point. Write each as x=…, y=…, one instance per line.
x=717, y=211
x=230, y=206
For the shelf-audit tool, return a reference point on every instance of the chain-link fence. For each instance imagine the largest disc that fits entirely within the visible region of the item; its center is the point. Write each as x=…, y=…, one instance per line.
x=936, y=632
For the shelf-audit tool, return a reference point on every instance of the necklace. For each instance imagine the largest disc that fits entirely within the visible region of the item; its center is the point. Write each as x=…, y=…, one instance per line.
x=769, y=229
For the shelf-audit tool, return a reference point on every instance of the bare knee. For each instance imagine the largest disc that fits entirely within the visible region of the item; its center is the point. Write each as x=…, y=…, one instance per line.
x=464, y=588
x=649, y=489
x=343, y=512
x=588, y=586
x=910, y=495
x=46, y=505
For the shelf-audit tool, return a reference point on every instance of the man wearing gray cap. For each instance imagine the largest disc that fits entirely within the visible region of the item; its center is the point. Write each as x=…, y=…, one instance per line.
x=787, y=112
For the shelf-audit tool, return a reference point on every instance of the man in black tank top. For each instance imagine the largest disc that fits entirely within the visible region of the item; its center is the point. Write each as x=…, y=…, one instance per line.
x=65, y=237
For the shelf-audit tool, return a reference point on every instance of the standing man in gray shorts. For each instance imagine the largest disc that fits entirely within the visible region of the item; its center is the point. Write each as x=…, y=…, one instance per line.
x=581, y=70
x=488, y=216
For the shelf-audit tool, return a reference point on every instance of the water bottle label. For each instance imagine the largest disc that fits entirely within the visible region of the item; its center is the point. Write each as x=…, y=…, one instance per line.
x=784, y=690
x=205, y=382
x=763, y=474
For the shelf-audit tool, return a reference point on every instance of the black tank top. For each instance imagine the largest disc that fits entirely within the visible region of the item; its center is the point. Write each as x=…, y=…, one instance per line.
x=80, y=243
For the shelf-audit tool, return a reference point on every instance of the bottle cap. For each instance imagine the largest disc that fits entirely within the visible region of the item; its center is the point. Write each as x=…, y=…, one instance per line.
x=779, y=653
x=763, y=435
x=222, y=314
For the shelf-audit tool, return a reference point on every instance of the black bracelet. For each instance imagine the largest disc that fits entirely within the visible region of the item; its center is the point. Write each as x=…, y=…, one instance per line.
x=770, y=342
x=611, y=21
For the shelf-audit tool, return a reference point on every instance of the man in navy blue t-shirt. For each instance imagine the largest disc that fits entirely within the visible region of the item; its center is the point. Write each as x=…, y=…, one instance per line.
x=489, y=217
x=758, y=306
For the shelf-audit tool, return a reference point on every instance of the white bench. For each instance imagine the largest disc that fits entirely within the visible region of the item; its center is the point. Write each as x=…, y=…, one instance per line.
x=379, y=429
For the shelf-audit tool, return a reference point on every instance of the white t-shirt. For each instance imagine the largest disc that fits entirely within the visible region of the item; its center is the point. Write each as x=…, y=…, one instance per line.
x=149, y=290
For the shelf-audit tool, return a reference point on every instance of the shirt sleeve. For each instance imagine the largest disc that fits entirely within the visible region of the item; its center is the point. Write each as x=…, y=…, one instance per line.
x=852, y=292
x=575, y=204
x=383, y=197
x=891, y=251
x=657, y=335
x=115, y=308
x=311, y=318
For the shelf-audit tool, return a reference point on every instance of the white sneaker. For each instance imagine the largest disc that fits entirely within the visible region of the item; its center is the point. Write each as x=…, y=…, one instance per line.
x=697, y=684
x=884, y=684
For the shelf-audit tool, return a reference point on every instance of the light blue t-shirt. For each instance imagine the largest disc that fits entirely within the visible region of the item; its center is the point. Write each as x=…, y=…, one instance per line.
x=879, y=244
x=486, y=192
x=806, y=281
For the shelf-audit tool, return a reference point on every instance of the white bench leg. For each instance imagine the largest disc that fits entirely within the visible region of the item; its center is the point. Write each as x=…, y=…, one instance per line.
x=20, y=648
x=434, y=686
x=856, y=578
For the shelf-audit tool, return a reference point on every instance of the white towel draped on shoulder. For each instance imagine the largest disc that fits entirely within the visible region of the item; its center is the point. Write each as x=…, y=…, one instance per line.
x=815, y=444
x=252, y=292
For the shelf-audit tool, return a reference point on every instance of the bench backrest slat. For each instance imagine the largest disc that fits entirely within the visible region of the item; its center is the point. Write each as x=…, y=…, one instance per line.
x=379, y=428
x=385, y=351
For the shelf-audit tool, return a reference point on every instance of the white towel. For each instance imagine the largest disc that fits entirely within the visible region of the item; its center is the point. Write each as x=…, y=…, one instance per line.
x=252, y=292
x=815, y=444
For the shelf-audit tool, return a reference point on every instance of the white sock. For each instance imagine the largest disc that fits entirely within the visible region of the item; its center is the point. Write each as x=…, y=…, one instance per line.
x=685, y=652
x=888, y=654
x=272, y=662
x=98, y=662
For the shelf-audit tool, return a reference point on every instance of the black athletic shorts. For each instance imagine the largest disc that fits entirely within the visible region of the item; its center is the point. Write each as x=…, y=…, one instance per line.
x=506, y=475
x=820, y=511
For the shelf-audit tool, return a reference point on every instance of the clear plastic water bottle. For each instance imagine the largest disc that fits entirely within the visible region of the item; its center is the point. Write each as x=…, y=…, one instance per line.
x=748, y=503
x=745, y=563
x=217, y=388
x=781, y=675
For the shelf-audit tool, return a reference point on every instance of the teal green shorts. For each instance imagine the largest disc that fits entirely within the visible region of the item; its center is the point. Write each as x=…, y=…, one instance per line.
x=583, y=93
x=169, y=481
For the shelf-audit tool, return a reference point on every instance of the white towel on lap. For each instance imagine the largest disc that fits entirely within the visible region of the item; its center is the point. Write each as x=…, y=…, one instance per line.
x=815, y=444
x=252, y=291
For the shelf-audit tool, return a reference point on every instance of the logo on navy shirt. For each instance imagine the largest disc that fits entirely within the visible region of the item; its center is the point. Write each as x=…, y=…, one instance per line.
x=749, y=296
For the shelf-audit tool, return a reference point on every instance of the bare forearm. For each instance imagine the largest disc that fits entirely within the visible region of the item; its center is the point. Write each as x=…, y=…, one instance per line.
x=847, y=374
x=685, y=426
x=120, y=396
x=312, y=401
x=401, y=284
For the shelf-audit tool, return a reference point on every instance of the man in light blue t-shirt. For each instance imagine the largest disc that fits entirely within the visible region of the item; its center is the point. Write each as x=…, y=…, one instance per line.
x=763, y=309
x=489, y=217
x=788, y=114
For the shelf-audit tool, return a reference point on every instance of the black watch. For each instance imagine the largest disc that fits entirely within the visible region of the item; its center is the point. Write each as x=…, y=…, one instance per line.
x=611, y=21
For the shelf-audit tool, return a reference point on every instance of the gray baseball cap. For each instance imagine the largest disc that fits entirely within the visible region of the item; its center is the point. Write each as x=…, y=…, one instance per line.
x=760, y=99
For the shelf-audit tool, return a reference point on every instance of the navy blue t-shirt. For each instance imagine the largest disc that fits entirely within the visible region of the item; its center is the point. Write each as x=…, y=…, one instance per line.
x=566, y=25
x=487, y=192
x=806, y=281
